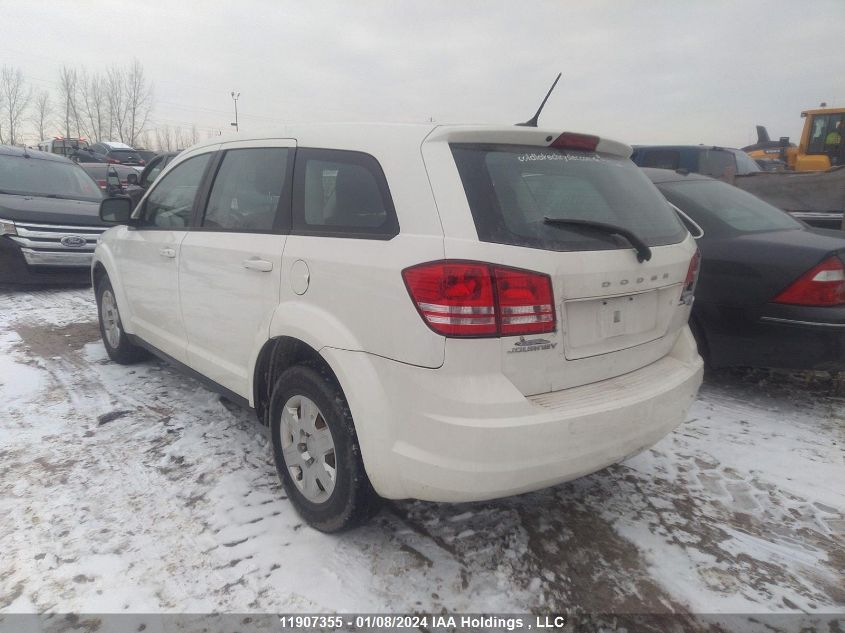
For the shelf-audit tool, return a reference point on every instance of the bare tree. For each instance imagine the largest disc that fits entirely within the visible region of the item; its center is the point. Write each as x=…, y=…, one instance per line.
x=116, y=100
x=147, y=139
x=139, y=101
x=68, y=88
x=93, y=105
x=43, y=111
x=164, y=140
x=2, y=117
x=185, y=138
x=16, y=96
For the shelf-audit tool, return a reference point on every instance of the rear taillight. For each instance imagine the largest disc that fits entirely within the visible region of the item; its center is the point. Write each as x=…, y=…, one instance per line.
x=691, y=279
x=474, y=299
x=101, y=184
x=823, y=285
x=525, y=302
x=570, y=140
x=692, y=272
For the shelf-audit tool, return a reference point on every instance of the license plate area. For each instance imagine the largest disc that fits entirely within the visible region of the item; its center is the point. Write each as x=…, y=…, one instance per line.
x=609, y=324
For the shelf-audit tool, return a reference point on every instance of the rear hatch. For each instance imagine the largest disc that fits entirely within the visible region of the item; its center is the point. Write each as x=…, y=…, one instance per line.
x=516, y=193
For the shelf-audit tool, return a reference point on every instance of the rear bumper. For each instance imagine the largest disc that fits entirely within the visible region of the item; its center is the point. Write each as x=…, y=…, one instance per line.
x=430, y=435
x=19, y=265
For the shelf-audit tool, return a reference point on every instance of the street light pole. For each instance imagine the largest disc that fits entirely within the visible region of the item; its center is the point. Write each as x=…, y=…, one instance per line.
x=235, y=99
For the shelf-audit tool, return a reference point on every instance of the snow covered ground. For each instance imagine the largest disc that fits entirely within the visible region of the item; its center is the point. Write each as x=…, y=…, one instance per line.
x=138, y=490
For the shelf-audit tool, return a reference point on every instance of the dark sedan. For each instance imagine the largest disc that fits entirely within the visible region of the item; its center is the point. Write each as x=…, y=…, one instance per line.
x=771, y=291
x=117, y=153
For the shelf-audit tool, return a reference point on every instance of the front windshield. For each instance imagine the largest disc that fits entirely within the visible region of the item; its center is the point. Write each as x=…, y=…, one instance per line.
x=38, y=177
x=712, y=203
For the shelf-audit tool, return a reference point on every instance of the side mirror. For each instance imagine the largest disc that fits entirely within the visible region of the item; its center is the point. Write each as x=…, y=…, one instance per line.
x=112, y=179
x=132, y=179
x=116, y=210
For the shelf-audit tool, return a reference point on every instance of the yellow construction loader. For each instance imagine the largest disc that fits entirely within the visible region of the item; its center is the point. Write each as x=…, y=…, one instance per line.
x=821, y=147
x=808, y=180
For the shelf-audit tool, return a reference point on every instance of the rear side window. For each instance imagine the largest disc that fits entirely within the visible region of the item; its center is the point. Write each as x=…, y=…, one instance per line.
x=170, y=203
x=716, y=163
x=341, y=194
x=512, y=189
x=660, y=158
x=247, y=190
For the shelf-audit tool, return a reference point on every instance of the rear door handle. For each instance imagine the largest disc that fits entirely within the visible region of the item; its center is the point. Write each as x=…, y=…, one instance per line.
x=261, y=265
x=167, y=252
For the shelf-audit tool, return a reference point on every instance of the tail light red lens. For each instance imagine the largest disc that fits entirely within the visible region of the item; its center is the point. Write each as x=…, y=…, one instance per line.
x=101, y=184
x=692, y=272
x=823, y=285
x=525, y=302
x=454, y=298
x=474, y=299
x=570, y=140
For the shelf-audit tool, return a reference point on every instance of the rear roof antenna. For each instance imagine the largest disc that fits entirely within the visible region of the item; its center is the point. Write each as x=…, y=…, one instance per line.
x=532, y=122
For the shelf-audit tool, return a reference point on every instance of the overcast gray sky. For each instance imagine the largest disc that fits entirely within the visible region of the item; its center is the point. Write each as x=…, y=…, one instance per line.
x=641, y=72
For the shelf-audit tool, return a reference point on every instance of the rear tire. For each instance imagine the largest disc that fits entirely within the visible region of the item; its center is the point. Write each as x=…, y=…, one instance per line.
x=118, y=346
x=316, y=450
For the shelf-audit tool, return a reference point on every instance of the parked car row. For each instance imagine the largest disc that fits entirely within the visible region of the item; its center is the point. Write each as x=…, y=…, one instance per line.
x=81, y=151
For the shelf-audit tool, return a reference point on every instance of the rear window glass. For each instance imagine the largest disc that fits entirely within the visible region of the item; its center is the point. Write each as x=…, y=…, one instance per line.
x=716, y=163
x=712, y=203
x=512, y=190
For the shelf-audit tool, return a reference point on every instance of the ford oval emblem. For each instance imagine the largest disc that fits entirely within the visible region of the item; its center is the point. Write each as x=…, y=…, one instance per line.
x=73, y=241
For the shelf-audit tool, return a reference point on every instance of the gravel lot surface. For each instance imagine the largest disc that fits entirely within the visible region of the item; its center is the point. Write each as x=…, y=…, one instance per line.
x=135, y=489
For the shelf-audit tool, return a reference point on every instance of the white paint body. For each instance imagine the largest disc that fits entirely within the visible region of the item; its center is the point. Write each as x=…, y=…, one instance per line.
x=437, y=418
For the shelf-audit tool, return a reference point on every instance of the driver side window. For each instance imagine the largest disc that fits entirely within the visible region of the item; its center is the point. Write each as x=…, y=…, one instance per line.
x=171, y=202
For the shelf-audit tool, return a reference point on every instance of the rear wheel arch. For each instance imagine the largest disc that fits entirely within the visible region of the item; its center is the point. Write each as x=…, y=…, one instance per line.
x=277, y=355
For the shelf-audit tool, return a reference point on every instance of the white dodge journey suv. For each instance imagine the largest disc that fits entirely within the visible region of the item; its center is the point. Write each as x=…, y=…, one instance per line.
x=449, y=313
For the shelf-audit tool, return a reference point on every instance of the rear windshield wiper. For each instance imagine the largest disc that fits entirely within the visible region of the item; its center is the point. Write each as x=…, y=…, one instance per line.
x=643, y=251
